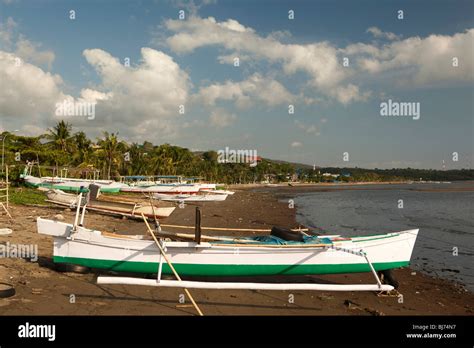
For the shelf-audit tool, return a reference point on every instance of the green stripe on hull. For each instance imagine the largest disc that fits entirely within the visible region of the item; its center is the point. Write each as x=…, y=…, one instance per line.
x=227, y=270
x=73, y=188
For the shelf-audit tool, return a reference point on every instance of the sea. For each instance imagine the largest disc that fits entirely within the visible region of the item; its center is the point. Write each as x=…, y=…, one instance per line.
x=444, y=213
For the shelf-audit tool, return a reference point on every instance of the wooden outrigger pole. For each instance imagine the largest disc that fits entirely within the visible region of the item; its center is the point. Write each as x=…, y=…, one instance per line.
x=171, y=265
x=233, y=229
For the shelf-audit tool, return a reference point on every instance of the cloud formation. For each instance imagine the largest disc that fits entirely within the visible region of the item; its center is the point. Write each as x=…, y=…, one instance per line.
x=12, y=41
x=319, y=60
x=220, y=118
x=420, y=61
x=255, y=89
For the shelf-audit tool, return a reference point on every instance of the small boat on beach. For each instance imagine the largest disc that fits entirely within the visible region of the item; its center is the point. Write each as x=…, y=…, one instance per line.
x=170, y=184
x=269, y=255
x=162, y=188
x=68, y=184
x=205, y=197
x=109, y=206
x=221, y=192
x=71, y=184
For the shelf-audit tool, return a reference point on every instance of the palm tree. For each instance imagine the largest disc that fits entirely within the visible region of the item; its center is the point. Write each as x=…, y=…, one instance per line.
x=83, y=147
x=110, y=150
x=60, y=136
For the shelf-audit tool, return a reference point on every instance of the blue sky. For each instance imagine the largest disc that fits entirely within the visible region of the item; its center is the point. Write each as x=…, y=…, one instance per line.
x=283, y=62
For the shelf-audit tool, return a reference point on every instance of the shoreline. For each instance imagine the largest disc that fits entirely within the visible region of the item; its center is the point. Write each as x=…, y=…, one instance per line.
x=41, y=290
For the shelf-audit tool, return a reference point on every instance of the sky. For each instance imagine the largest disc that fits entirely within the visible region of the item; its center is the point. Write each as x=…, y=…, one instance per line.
x=334, y=63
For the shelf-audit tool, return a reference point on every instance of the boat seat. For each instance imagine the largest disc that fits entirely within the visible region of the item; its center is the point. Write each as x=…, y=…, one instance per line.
x=287, y=234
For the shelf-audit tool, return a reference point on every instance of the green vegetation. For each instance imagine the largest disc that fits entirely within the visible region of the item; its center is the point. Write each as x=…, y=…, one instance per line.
x=26, y=196
x=59, y=147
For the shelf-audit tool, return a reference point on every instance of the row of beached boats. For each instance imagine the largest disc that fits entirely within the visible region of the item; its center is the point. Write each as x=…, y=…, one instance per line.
x=166, y=188
x=282, y=252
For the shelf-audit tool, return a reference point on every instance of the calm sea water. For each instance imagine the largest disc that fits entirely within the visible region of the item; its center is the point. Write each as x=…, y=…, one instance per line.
x=445, y=220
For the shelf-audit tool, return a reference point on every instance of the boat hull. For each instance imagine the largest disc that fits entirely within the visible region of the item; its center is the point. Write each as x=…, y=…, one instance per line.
x=169, y=189
x=125, y=254
x=190, y=198
x=74, y=186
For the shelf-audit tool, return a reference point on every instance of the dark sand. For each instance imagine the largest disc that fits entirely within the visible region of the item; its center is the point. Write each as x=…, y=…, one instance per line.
x=43, y=291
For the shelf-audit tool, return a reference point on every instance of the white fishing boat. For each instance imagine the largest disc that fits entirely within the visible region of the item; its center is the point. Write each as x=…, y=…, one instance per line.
x=109, y=206
x=162, y=188
x=229, y=256
x=206, y=197
x=68, y=184
x=221, y=192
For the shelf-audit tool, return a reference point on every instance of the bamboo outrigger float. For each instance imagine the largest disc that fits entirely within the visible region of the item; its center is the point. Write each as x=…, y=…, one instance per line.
x=131, y=209
x=229, y=256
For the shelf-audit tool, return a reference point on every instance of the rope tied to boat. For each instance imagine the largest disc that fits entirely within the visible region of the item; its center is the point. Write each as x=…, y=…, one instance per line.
x=350, y=251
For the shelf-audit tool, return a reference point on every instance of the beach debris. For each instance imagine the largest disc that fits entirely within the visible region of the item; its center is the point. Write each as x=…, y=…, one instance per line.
x=374, y=312
x=5, y=231
x=392, y=293
x=413, y=273
x=58, y=217
x=325, y=297
x=351, y=305
x=36, y=291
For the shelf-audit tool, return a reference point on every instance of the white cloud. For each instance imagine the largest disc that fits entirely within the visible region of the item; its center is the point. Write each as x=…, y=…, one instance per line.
x=377, y=33
x=7, y=29
x=23, y=48
x=143, y=100
x=246, y=92
x=296, y=144
x=420, y=61
x=319, y=60
x=27, y=91
x=30, y=52
x=308, y=128
x=93, y=96
x=145, y=97
x=220, y=118
x=349, y=93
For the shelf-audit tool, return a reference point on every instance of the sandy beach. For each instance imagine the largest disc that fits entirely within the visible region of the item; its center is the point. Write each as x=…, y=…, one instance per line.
x=41, y=290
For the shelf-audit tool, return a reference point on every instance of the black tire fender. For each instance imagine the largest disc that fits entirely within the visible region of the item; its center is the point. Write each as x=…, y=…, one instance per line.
x=6, y=290
x=69, y=267
x=286, y=234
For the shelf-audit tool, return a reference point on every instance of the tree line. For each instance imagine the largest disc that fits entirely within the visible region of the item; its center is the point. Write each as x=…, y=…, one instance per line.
x=60, y=147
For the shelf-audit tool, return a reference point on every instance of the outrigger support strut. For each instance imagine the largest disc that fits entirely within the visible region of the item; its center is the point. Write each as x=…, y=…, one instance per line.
x=364, y=255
